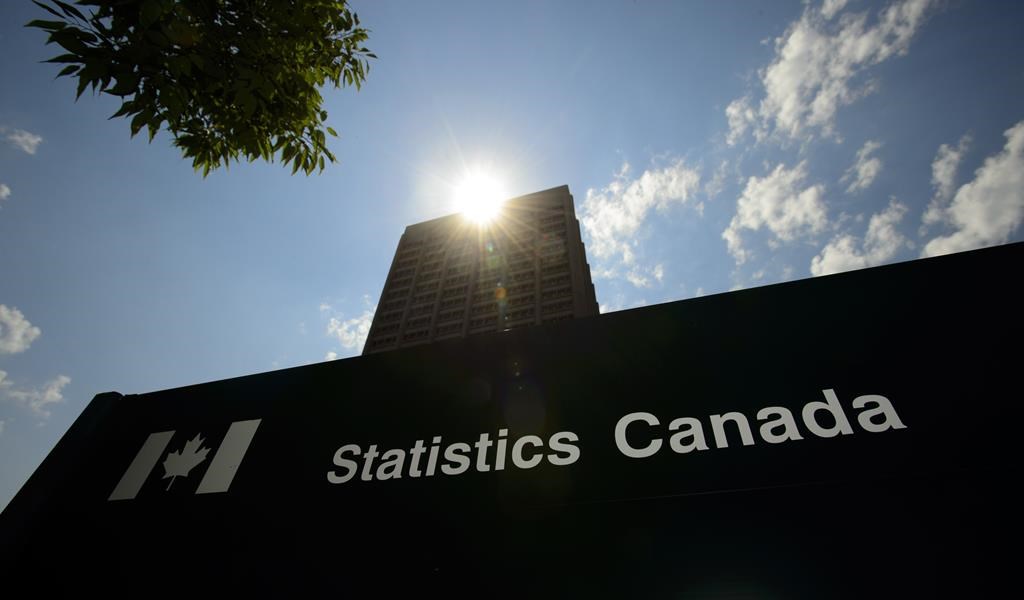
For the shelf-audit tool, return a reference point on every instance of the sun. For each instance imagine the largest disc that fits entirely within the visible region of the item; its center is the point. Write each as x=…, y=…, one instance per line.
x=479, y=197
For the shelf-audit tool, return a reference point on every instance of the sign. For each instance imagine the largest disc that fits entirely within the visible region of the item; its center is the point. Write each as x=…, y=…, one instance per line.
x=845, y=436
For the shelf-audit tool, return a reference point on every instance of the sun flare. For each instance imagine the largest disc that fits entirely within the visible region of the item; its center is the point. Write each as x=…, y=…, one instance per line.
x=479, y=197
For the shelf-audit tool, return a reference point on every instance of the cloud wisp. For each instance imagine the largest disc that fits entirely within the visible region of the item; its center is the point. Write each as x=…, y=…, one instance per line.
x=865, y=169
x=880, y=244
x=613, y=217
x=989, y=208
x=819, y=66
x=38, y=401
x=944, y=167
x=781, y=203
x=16, y=333
x=25, y=141
x=350, y=333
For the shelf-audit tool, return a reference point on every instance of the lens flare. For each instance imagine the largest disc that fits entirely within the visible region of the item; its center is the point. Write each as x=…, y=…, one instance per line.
x=479, y=197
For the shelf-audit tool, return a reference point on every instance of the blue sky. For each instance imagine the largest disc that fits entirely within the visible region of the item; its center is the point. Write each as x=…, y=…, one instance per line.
x=709, y=146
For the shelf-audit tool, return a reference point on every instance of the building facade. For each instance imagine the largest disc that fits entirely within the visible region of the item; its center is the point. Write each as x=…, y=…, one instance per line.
x=451, y=277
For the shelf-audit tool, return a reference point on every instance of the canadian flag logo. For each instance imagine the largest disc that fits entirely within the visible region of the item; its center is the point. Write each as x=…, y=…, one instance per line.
x=178, y=463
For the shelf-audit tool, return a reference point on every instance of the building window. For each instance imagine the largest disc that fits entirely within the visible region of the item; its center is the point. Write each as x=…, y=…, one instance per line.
x=555, y=293
x=459, y=291
x=525, y=313
x=483, y=309
x=520, y=300
x=387, y=328
x=400, y=283
x=449, y=328
x=452, y=302
x=416, y=335
x=557, y=306
x=553, y=281
x=451, y=315
x=413, y=323
x=484, y=321
x=421, y=310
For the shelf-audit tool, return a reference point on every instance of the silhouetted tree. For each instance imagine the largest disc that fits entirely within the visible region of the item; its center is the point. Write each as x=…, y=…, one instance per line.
x=227, y=78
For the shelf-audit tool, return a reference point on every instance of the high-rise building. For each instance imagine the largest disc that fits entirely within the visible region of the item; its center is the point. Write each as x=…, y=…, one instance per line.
x=451, y=277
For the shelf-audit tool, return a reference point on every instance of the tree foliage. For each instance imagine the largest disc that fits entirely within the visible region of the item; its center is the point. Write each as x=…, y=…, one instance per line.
x=227, y=78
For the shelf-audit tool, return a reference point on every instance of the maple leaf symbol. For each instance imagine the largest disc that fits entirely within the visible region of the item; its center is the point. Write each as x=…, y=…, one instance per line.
x=178, y=464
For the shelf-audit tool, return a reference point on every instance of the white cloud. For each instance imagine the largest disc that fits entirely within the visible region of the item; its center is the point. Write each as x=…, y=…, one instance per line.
x=37, y=400
x=944, y=167
x=741, y=116
x=716, y=184
x=332, y=355
x=643, y=277
x=603, y=273
x=16, y=333
x=818, y=65
x=638, y=278
x=988, y=209
x=5, y=191
x=829, y=8
x=863, y=172
x=881, y=242
x=777, y=203
x=612, y=216
x=26, y=141
x=351, y=333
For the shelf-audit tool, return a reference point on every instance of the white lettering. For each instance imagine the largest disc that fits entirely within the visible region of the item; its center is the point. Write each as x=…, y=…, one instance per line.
x=832, y=406
x=718, y=426
x=456, y=453
x=693, y=430
x=557, y=443
x=517, y=452
x=882, y=407
x=620, y=435
x=784, y=420
x=351, y=466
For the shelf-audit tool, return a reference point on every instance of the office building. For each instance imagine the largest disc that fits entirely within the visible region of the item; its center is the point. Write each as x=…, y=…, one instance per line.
x=452, y=277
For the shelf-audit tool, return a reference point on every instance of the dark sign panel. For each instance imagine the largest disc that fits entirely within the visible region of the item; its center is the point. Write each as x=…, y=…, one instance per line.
x=846, y=436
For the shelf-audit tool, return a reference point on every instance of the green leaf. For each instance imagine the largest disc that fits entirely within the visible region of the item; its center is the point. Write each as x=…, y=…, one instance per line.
x=331, y=131
x=69, y=10
x=47, y=25
x=47, y=9
x=67, y=39
x=138, y=122
x=67, y=70
x=149, y=13
x=287, y=154
x=247, y=102
x=124, y=86
x=65, y=58
x=126, y=108
x=82, y=83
